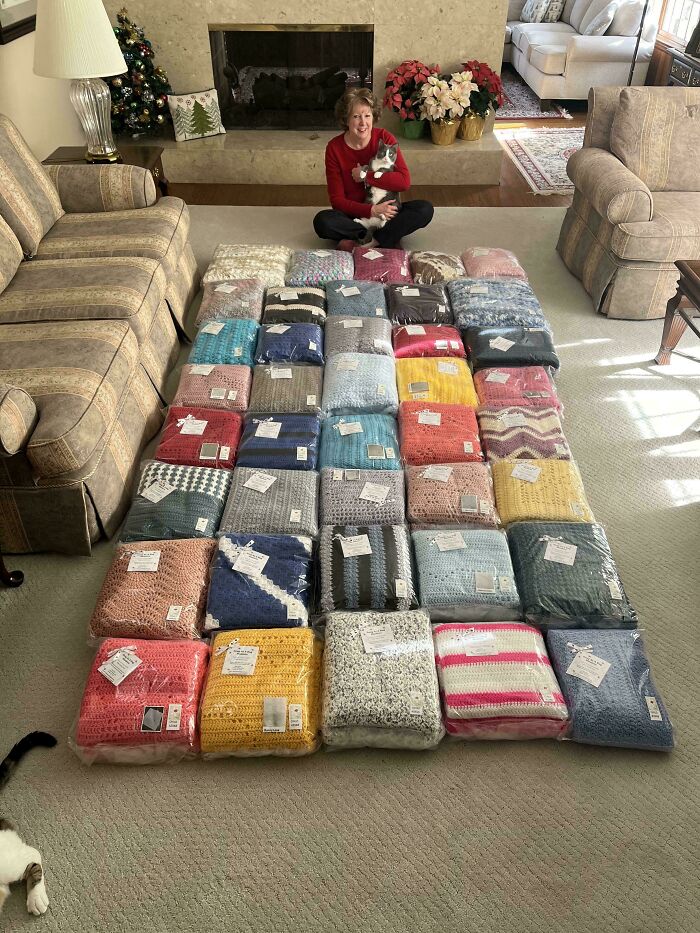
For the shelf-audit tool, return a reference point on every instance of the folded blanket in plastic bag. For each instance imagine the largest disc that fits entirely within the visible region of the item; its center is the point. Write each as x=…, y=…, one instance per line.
x=237, y=298
x=318, y=266
x=488, y=262
x=229, y=341
x=272, y=501
x=435, y=379
x=427, y=340
x=360, y=382
x=290, y=343
x=249, y=261
x=438, y=433
x=376, y=264
x=284, y=442
x=529, y=386
x=451, y=494
x=290, y=388
x=539, y=490
x=360, y=442
x=362, y=497
x=520, y=433
x=430, y=266
x=494, y=303
x=490, y=347
x=214, y=385
x=419, y=304
x=301, y=304
x=199, y=437
x=358, y=335
x=352, y=298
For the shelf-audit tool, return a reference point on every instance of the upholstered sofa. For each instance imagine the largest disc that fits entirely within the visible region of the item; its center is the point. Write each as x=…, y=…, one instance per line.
x=636, y=205
x=560, y=63
x=95, y=279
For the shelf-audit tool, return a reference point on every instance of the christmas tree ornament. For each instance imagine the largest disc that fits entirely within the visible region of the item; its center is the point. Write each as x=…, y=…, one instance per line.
x=117, y=82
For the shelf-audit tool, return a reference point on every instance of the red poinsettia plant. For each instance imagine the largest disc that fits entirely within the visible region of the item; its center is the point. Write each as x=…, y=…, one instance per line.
x=489, y=88
x=403, y=84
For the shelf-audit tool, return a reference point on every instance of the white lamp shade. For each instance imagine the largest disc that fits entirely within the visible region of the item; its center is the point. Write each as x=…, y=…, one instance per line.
x=74, y=39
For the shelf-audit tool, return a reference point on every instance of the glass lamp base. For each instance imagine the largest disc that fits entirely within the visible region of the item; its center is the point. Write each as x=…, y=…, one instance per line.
x=92, y=102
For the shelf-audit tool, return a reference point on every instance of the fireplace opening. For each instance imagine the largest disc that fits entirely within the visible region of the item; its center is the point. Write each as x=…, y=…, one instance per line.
x=287, y=77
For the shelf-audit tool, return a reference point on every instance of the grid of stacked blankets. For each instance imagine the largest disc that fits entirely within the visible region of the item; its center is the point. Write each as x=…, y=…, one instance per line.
x=363, y=526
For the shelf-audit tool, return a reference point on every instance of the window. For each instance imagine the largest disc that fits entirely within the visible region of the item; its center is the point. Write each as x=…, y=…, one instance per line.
x=678, y=19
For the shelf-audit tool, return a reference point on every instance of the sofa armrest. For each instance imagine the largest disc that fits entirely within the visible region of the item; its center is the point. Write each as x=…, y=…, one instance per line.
x=18, y=417
x=615, y=192
x=94, y=188
x=606, y=49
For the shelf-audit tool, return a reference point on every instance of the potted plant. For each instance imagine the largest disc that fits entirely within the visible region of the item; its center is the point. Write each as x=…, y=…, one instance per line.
x=487, y=96
x=444, y=98
x=402, y=95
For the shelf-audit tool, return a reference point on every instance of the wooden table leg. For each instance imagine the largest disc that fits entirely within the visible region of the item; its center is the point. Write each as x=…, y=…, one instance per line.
x=10, y=577
x=674, y=328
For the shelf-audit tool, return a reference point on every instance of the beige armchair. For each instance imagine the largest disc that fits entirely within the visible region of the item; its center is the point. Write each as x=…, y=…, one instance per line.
x=636, y=206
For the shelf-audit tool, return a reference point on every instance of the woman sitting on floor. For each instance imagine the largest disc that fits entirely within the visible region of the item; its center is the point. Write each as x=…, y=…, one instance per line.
x=349, y=180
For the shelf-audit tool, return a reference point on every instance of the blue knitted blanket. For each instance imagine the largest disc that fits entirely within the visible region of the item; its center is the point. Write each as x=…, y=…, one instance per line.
x=294, y=448
x=494, y=303
x=355, y=298
x=529, y=346
x=360, y=442
x=234, y=342
x=290, y=343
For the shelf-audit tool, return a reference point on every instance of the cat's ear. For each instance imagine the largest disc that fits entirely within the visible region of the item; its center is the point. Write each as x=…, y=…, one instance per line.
x=6, y=824
x=381, y=149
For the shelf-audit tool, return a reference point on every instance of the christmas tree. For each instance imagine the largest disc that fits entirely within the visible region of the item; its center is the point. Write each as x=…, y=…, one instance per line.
x=140, y=95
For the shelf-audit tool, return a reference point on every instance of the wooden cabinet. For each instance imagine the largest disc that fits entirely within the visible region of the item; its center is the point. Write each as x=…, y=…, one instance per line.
x=684, y=70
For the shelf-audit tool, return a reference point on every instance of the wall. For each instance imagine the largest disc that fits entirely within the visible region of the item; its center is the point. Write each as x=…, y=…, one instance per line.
x=39, y=107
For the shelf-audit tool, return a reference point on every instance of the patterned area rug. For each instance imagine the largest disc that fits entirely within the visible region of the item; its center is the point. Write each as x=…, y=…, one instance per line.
x=541, y=155
x=522, y=103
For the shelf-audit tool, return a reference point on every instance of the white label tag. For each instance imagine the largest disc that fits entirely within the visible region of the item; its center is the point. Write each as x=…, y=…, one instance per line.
x=289, y=295
x=468, y=447
x=312, y=345
x=337, y=476
x=347, y=365
x=321, y=252
x=174, y=719
x=296, y=721
x=355, y=546
x=547, y=695
x=561, y=449
x=356, y=322
x=408, y=292
x=157, y=491
x=280, y=373
x=440, y=473
x=496, y=376
x=415, y=330
x=501, y=343
x=352, y=476
x=505, y=584
x=174, y=613
x=295, y=516
x=310, y=400
x=415, y=701
x=400, y=588
x=526, y=471
x=559, y=552
x=479, y=251
x=379, y=312
x=226, y=289
x=372, y=492
x=380, y=344
x=225, y=453
x=430, y=417
x=450, y=368
x=352, y=427
x=512, y=419
x=278, y=329
x=217, y=393
x=201, y=369
x=381, y=389
x=202, y=524
x=485, y=582
x=212, y=328
x=375, y=452
x=269, y=429
x=144, y=560
x=302, y=453
x=654, y=711
x=479, y=290
x=479, y=643
x=350, y=290
x=193, y=426
x=588, y=667
x=251, y=563
x=376, y=637
x=373, y=254
x=232, y=395
x=240, y=659
x=274, y=714
x=389, y=452
x=485, y=506
x=260, y=482
x=119, y=666
x=442, y=344
x=615, y=591
x=450, y=541
x=577, y=509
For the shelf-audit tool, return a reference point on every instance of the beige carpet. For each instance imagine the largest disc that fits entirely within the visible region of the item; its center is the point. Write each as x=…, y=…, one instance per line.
x=507, y=838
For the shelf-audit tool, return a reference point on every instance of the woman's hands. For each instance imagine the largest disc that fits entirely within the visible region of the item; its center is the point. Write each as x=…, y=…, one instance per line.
x=387, y=210
x=359, y=172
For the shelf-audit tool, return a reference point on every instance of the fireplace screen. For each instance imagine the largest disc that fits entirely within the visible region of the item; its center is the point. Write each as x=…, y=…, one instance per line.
x=287, y=77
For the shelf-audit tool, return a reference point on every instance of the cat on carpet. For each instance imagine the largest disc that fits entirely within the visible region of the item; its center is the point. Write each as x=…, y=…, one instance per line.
x=18, y=861
x=383, y=161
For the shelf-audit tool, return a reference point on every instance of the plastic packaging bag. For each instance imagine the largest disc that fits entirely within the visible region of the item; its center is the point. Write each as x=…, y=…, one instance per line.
x=248, y=261
x=214, y=386
x=414, y=340
x=539, y=490
x=380, y=686
x=529, y=386
x=519, y=433
x=576, y=585
x=376, y=264
x=497, y=682
x=360, y=382
x=259, y=581
x=419, y=304
x=605, y=677
x=225, y=342
x=466, y=574
x=438, y=433
x=141, y=708
x=430, y=267
x=494, y=303
x=360, y=442
x=200, y=437
x=366, y=567
x=488, y=262
x=300, y=304
x=271, y=501
x=284, y=388
x=435, y=379
x=358, y=335
x=318, y=266
x=283, y=442
x=154, y=589
x=510, y=346
x=352, y=298
x=362, y=497
x=290, y=343
x=451, y=494
x=262, y=695
x=236, y=298
x=176, y=502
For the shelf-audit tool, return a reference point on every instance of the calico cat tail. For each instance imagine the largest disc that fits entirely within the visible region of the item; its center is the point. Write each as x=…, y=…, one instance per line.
x=17, y=752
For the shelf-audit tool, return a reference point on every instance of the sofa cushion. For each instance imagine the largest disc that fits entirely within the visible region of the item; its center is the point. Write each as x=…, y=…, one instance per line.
x=598, y=12
x=111, y=288
x=579, y=10
x=77, y=373
x=18, y=416
x=627, y=19
x=673, y=232
x=524, y=34
x=10, y=254
x=159, y=232
x=549, y=59
x=28, y=201
x=659, y=158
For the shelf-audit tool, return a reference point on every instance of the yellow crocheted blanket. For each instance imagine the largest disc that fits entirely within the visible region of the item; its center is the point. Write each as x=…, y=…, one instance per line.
x=540, y=490
x=435, y=379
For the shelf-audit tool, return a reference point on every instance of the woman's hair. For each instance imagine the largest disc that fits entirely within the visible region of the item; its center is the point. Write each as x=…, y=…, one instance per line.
x=352, y=97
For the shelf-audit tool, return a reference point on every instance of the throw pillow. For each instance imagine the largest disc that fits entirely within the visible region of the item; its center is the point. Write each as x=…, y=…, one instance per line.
x=195, y=115
x=554, y=11
x=598, y=25
x=627, y=19
x=534, y=11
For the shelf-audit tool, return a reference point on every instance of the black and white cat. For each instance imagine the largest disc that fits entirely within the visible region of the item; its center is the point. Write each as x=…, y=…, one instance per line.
x=384, y=161
x=18, y=861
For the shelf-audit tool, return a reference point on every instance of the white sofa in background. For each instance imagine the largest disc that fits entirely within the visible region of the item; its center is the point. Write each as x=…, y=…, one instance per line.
x=561, y=64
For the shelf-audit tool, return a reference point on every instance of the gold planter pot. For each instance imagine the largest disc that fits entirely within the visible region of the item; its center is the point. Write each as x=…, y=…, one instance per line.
x=444, y=134
x=471, y=126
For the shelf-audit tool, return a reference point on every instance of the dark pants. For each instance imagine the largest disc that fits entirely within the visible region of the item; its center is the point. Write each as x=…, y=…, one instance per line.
x=334, y=225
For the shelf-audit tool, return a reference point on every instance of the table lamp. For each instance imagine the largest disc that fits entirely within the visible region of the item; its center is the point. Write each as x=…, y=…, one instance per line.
x=74, y=39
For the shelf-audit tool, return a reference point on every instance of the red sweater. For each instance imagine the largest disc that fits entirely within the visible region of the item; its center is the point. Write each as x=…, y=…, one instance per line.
x=347, y=195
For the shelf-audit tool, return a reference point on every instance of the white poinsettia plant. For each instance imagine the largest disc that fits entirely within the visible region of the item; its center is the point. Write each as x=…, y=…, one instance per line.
x=444, y=97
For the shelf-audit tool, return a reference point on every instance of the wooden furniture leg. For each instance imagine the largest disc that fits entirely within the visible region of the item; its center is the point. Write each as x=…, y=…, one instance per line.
x=674, y=328
x=10, y=577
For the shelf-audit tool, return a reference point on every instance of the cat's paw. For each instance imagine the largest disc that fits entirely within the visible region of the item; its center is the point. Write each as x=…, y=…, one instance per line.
x=38, y=900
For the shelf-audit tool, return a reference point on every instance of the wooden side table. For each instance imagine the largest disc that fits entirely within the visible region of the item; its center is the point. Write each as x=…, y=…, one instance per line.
x=148, y=157
x=677, y=316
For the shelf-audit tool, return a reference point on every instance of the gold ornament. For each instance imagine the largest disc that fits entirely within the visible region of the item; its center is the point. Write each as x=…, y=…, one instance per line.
x=117, y=82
